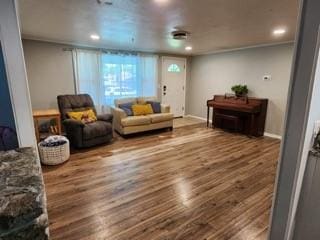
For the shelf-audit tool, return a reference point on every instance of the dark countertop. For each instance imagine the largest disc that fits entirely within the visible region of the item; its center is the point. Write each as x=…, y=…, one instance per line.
x=23, y=213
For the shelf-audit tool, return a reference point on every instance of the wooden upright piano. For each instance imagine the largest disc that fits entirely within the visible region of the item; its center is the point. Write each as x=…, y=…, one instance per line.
x=246, y=115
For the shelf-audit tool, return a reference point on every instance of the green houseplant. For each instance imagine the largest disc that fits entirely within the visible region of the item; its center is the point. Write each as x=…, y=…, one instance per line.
x=240, y=90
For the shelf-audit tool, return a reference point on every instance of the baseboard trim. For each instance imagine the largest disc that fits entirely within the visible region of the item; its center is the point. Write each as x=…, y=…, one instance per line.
x=271, y=135
x=201, y=118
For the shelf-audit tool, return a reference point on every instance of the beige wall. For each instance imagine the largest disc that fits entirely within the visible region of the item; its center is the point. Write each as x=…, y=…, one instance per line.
x=216, y=73
x=49, y=71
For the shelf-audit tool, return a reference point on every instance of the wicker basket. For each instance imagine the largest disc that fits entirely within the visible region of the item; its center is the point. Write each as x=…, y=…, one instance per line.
x=54, y=155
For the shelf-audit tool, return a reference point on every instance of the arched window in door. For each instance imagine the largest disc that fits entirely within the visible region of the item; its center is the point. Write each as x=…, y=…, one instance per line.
x=174, y=68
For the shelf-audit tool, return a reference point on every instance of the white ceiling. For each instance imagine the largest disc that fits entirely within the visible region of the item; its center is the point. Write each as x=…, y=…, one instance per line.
x=145, y=25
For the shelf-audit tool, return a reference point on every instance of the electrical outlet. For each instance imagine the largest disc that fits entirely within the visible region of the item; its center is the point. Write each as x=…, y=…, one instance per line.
x=267, y=78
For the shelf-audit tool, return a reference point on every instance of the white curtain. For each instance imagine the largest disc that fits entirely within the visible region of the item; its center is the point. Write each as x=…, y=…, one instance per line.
x=87, y=71
x=109, y=76
x=148, y=75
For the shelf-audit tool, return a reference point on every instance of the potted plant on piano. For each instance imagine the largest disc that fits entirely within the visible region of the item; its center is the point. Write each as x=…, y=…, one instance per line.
x=240, y=90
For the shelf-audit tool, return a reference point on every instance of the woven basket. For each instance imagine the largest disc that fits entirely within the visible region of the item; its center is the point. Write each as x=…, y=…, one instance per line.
x=54, y=155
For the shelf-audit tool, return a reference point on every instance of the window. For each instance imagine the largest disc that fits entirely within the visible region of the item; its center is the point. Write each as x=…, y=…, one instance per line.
x=120, y=78
x=108, y=76
x=174, y=68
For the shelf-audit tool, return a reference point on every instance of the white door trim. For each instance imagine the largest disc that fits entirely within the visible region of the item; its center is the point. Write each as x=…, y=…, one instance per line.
x=184, y=82
x=16, y=72
x=282, y=217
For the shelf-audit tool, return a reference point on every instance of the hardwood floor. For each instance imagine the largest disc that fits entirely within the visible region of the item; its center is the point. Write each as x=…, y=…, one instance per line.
x=186, y=121
x=193, y=183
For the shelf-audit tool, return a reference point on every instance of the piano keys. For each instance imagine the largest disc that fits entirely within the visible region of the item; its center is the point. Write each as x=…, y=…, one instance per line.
x=246, y=115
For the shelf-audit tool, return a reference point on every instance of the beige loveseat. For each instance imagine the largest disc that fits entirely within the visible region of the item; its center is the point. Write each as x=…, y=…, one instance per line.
x=124, y=124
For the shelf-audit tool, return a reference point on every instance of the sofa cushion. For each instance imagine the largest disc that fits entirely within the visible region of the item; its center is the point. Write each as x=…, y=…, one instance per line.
x=160, y=117
x=127, y=107
x=144, y=100
x=71, y=103
x=135, y=121
x=96, y=129
x=119, y=101
x=156, y=106
x=142, y=109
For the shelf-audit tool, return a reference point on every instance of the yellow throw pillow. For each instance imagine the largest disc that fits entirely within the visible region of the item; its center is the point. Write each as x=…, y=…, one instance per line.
x=142, y=109
x=85, y=116
x=91, y=114
x=75, y=115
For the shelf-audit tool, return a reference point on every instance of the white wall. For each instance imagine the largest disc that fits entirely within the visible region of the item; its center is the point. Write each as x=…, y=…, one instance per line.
x=50, y=72
x=216, y=73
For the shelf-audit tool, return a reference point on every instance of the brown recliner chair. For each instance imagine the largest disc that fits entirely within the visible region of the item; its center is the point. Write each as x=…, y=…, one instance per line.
x=84, y=135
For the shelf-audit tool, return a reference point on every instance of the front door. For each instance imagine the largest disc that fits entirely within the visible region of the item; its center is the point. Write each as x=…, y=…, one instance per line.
x=173, y=84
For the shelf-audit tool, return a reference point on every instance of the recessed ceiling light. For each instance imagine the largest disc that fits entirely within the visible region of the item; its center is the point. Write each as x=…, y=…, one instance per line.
x=188, y=48
x=161, y=1
x=95, y=37
x=279, y=31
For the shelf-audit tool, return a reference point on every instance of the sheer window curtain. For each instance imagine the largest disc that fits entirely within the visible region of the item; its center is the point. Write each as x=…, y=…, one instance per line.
x=87, y=72
x=109, y=76
x=148, y=75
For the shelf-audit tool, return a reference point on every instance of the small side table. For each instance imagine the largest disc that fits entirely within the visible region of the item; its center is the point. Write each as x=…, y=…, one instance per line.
x=46, y=114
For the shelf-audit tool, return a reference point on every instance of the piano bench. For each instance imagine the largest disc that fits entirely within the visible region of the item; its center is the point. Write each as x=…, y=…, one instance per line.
x=231, y=118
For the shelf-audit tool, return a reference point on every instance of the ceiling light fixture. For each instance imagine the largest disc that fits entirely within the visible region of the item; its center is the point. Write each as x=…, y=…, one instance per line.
x=95, y=37
x=188, y=48
x=161, y=2
x=180, y=35
x=279, y=31
x=106, y=2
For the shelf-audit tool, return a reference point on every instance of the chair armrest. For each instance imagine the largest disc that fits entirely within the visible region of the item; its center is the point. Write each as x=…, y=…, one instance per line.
x=105, y=117
x=71, y=123
x=165, y=108
x=74, y=131
x=118, y=113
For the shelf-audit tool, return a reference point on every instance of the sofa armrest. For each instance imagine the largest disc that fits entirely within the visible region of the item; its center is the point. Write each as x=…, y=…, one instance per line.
x=118, y=113
x=165, y=108
x=105, y=117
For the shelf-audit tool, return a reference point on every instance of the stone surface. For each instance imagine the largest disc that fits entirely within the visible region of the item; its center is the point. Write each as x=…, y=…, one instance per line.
x=23, y=213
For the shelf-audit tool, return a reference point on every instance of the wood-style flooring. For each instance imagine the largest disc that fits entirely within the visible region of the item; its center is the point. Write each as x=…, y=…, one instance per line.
x=193, y=183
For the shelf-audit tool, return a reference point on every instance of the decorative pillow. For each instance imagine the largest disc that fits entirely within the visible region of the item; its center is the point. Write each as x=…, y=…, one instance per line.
x=156, y=106
x=127, y=107
x=142, y=109
x=141, y=101
x=86, y=116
